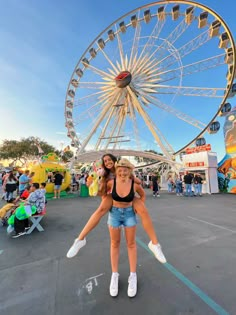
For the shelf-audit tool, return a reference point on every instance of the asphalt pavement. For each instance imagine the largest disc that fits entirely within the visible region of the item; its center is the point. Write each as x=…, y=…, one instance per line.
x=198, y=236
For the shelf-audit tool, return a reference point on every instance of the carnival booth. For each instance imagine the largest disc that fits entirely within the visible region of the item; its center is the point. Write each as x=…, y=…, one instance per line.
x=45, y=168
x=205, y=164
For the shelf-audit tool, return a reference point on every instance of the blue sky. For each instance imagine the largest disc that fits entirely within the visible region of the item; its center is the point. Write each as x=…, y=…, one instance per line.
x=41, y=42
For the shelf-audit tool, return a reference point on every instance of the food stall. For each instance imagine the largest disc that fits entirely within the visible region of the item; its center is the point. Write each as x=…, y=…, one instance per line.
x=205, y=164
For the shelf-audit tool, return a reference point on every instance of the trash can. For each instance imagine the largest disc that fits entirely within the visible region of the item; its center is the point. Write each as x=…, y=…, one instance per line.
x=84, y=192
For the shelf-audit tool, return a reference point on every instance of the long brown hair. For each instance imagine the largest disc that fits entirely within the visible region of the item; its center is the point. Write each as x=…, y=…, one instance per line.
x=113, y=158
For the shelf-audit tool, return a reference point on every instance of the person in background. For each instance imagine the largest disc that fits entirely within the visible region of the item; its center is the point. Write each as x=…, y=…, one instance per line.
x=25, y=193
x=43, y=190
x=200, y=181
x=74, y=183
x=31, y=175
x=169, y=184
x=155, y=185
x=197, y=180
x=11, y=186
x=4, y=177
x=23, y=181
x=188, y=184
x=178, y=184
x=58, y=178
x=37, y=199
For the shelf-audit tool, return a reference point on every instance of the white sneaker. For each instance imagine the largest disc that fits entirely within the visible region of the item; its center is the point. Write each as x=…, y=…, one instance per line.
x=157, y=251
x=132, y=288
x=114, y=284
x=76, y=247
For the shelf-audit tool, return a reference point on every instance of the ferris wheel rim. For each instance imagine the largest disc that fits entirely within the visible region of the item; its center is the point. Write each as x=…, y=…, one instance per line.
x=195, y=4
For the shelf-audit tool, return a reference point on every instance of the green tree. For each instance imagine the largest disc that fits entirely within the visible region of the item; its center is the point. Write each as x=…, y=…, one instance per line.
x=24, y=149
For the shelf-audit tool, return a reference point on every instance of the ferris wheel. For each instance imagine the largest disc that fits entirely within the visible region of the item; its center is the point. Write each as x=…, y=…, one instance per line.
x=155, y=79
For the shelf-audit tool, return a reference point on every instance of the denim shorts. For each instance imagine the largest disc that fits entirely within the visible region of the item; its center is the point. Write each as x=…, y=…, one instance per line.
x=57, y=187
x=122, y=217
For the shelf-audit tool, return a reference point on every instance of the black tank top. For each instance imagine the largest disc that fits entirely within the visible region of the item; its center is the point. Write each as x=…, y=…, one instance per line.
x=128, y=198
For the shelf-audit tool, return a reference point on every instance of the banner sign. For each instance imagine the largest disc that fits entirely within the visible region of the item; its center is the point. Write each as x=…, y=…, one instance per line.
x=194, y=164
x=206, y=147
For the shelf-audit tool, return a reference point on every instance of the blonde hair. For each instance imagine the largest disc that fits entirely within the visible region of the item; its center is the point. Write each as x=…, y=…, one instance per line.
x=124, y=163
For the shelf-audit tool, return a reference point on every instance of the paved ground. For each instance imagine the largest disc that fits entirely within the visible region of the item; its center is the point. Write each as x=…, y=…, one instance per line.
x=198, y=236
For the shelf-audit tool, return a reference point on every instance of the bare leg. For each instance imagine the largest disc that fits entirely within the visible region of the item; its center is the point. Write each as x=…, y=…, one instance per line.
x=142, y=211
x=95, y=218
x=130, y=233
x=115, y=248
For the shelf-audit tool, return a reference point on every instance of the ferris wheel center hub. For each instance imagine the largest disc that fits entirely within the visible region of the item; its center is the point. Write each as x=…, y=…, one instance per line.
x=123, y=79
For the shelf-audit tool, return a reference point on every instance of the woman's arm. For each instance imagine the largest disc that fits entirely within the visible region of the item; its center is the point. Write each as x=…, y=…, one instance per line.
x=109, y=185
x=140, y=191
x=102, y=187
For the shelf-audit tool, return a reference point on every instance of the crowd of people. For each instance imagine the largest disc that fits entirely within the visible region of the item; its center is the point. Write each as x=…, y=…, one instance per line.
x=21, y=195
x=188, y=185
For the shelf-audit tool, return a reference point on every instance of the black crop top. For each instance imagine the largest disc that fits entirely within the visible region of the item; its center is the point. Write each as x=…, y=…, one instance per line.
x=128, y=198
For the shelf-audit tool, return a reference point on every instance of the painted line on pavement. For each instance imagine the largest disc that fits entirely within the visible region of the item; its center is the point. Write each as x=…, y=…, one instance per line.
x=209, y=223
x=202, y=295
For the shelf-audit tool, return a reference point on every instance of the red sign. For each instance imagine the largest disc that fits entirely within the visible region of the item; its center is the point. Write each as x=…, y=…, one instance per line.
x=194, y=164
x=206, y=147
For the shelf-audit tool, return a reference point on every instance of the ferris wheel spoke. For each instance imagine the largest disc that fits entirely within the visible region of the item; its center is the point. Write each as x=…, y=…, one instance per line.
x=180, y=115
x=100, y=72
x=152, y=38
x=117, y=131
x=198, y=66
x=190, y=91
x=116, y=70
x=94, y=108
x=121, y=51
x=170, y=40
x=111, y=134
x=97, y=85
x=85, y=115
x=134, y=48
x=147, y=120
x=104, y=112
x=110, y=116
x=186, y=49
x=145, y=65
x=135, y=128
x=87, y=98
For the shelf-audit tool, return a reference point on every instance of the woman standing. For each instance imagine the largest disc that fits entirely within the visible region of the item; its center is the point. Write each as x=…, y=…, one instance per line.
x=11, y=186
x=122, y=214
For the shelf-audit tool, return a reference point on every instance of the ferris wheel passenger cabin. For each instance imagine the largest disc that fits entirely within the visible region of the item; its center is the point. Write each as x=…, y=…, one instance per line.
x=224, y=40
x=214, y=28
x=214, y=127
x=225, y=109
x=200, y=141
x=229, y=55
x=175, y=12
x=202, y=20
